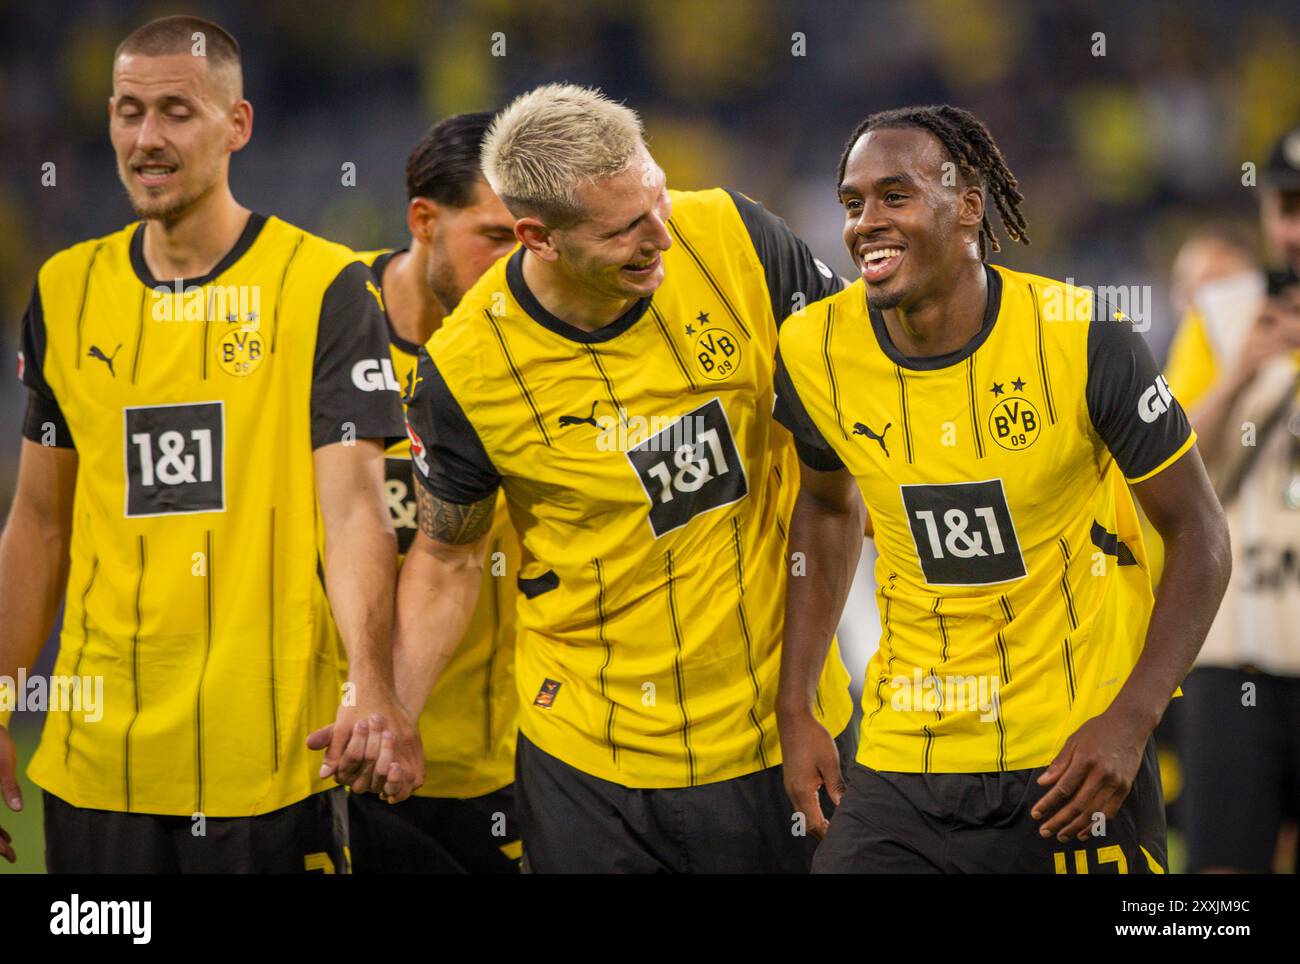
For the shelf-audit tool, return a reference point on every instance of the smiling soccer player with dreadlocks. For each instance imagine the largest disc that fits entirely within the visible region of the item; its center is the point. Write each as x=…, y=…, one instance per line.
x=990, y=420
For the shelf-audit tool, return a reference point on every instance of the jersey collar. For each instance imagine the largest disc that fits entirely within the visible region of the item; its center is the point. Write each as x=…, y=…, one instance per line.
x=251, y=230
x=931, y=362
x=534, y=309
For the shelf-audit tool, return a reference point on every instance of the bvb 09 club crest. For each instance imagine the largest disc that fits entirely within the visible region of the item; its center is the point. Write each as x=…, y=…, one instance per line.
x=1014, y=423
x=240, y=351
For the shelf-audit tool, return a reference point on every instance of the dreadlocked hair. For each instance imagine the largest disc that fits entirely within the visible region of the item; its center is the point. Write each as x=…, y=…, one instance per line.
x=971, y=147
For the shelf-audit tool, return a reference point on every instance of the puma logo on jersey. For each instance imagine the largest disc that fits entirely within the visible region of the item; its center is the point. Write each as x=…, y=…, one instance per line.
x=567, y=420
x=370, y=375
x=1155, y=400
x=861, y=429
x=370, y=286
x=95, y=352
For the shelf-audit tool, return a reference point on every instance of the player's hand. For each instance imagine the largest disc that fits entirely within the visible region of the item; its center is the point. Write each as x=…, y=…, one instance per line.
x=13, y=796
x=1093, y=773
x=373, y=748
x=811, y=761
x=386, y=779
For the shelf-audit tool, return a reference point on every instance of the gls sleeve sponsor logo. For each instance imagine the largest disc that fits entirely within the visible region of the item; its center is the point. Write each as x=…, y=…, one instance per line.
x=370, y=375
x=1155, y=400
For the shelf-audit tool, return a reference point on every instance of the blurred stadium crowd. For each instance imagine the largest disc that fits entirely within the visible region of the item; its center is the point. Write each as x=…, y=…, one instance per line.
x=1127, y=125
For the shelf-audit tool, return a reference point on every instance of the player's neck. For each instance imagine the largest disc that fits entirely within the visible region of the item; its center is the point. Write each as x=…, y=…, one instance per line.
x=580, y=307
x=944, y=321
x=413, y=311
x=193, y=244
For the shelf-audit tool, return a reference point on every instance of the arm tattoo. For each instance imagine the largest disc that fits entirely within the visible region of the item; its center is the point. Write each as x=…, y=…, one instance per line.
x=452, y=524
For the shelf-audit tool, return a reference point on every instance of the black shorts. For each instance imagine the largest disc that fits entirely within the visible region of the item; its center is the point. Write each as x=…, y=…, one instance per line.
x=1241, y=764
x=308, y=836
x=981, y=823
x=573, y=822
x=435, y=835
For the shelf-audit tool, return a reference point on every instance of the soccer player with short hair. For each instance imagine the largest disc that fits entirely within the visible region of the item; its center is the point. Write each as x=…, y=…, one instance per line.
x=993, y=422
x=613, y=377
x=462, y=818
x=208, y=401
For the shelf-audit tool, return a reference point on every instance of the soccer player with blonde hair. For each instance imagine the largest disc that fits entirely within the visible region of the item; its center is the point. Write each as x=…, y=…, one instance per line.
x=614, y=377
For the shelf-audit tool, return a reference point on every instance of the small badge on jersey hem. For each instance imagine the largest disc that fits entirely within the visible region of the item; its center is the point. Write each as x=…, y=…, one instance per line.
x=546, y=695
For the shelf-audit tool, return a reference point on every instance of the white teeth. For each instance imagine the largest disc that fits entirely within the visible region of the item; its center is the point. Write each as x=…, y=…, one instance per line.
x=882, y=254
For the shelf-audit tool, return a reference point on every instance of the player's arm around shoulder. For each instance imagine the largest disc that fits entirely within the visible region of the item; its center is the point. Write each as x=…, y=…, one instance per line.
x=795, y=277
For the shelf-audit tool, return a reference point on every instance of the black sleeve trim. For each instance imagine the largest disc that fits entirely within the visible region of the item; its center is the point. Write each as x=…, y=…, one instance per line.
x=1129, y=401
x=814, y=451
x=31, y=365
x=788, y=263
x=354, y=392
x=446, y=452
x=42, y=407
x=43, y=411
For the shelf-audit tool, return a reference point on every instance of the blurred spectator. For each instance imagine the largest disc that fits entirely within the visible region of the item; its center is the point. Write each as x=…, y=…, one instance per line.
x=1234, y=365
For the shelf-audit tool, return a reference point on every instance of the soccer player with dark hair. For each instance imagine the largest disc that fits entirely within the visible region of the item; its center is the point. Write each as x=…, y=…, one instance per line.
x=462, y=818
x=613, y=378
x=210, y=395
x=993, y=422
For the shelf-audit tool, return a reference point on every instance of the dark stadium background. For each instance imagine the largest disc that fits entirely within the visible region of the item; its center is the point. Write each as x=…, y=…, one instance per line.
x=1119, y=156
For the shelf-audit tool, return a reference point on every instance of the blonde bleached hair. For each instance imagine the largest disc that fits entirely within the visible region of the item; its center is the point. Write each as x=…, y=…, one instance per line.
x=548, y=142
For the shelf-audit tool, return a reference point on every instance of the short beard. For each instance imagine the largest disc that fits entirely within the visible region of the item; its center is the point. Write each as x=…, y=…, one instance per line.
x=883, y=301
x=441, y=278
x=168, y=213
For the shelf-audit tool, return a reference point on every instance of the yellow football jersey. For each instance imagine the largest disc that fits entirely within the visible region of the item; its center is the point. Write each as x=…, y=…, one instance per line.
x=194, y=590
x=1013, y=585
x=469, y=723
x=651, y=491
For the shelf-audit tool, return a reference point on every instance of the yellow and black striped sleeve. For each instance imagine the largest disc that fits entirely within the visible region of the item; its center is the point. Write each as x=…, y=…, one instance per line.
x=448, y=455
x=354, y=392
x=788, y=409
x=1129, y=402
x=795, y=277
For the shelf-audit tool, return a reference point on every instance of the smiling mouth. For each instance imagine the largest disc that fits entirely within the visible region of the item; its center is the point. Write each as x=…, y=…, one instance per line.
x=880, y=264
x=152, y=175
x=642, y=268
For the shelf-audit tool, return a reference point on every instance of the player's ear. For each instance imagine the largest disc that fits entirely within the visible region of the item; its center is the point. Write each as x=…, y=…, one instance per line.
x=241, y=118
x=421, y=217
x=536, y=237
x=970, y=211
